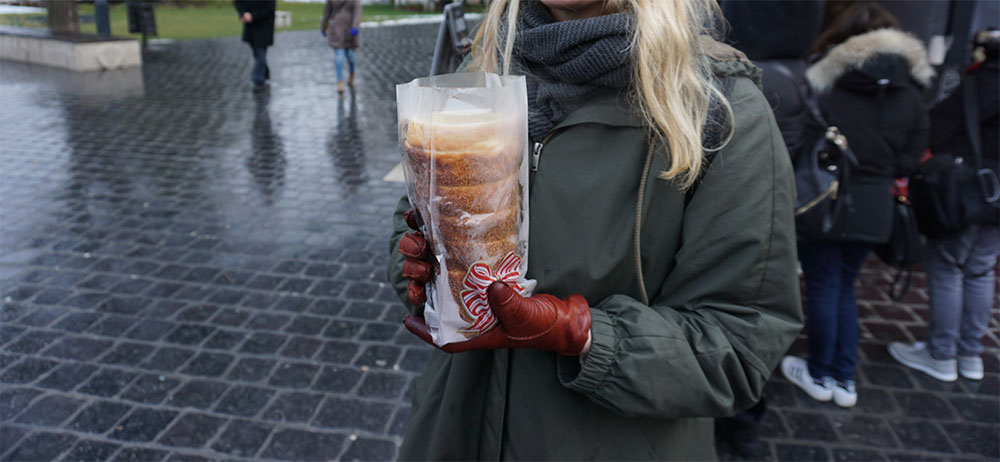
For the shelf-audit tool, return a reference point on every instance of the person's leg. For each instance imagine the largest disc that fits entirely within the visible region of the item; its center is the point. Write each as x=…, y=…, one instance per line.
x=944, y=288
x=267, y=69
x=350, y=66
x=936, y=358
x=258, y=76
x=339, y=54
x=845, y=357
x=977, y=291
x=821, y=271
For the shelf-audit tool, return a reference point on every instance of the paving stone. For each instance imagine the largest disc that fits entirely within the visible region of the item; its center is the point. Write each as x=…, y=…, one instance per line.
x=337, y=352
x=351, y=414
x=198, y=313
x=293, y=407
x=199, y=394
x=190, y=334
x=864, y=430
x=128, y=354
x=402, y=419
x=415, y=360
x=338, y=379
x=41, y=317
x=67, y=376
x=150, y=329
x=977, y=410
x=308, y=325
x=192, y=430
x=379, y=332
x=301, y=347
x=33, y=341
x=851, y=455
x=230, y=317
x=385, y=385
x=924, y=405
x=167, y=359
x=294, y=375
x=112, y=325
x=251, y=369
x=242, y=438
x=209, y=364
x=143, y=425
x=42, y=446
x=150, y=389
x=78, y=348
x=801, y=452
x=107, y=382
x=244, y=401
x=370, y=449
x=263, y=343
x=364, y=310
x=292, y=444
x=342, y=329
x=99, y=417
x=921, y=435
x=15, y=400
x=875, y=401
x=140, y=454
x=887, y=376
x=326, y=307
x=27, y=370
x=378, y=356
x=91, y=450
x=225, y=339
x=976, y=439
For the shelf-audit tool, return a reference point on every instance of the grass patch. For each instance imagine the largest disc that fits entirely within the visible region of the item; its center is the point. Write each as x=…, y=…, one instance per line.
x=207, y=20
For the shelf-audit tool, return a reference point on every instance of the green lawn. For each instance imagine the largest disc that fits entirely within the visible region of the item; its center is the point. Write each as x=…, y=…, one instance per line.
x=207, y=19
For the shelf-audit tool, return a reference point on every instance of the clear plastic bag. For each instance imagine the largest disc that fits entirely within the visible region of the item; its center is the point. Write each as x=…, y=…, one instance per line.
x=464, y=143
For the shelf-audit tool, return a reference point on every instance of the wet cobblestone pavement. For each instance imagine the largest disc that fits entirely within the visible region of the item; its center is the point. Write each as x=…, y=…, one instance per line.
x=190, y=271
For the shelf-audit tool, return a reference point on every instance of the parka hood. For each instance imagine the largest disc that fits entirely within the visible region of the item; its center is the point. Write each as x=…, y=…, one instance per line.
x=907, y=56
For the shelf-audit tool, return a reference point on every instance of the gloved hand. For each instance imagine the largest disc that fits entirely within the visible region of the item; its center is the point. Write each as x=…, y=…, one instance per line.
x=541, y=321
x=417, y=265
x=354, y=32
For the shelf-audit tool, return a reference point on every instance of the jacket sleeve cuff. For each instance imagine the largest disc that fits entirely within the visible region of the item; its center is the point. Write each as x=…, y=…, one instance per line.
x=586, y=375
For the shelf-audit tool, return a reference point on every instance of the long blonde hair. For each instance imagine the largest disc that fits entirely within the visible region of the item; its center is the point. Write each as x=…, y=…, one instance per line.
x=671, y=85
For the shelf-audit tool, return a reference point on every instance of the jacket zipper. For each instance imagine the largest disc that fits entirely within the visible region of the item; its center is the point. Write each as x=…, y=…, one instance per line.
x=536, y=154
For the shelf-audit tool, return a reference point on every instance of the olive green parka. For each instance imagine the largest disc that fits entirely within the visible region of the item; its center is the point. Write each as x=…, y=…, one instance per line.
x=721, y=280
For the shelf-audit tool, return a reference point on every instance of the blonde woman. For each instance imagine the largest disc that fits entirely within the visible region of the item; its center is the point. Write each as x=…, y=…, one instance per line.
x=667, y=289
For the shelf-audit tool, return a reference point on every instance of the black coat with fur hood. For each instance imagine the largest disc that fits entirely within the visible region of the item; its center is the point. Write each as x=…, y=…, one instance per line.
x=870, y=87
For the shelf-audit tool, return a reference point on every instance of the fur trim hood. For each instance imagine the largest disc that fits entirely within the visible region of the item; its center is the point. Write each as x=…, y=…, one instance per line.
x=858, y=50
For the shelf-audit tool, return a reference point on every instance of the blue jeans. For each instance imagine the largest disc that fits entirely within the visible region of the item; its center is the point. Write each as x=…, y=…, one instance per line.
x=260, y=71
x=830, y=269
x=339, y=54
x=960, y=285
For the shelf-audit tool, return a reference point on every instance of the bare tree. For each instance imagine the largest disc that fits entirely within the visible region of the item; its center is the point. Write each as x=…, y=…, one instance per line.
x=62, y=16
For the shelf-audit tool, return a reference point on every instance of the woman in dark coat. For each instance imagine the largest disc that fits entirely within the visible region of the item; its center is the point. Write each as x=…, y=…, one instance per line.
x=868, y=83
x=258, y=31
x=340, y=23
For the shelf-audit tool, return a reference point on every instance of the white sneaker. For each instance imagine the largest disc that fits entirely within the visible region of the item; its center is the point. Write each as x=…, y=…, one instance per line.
x=971, y=367
x=845, y=394
x=918, y=357
x=796, y=370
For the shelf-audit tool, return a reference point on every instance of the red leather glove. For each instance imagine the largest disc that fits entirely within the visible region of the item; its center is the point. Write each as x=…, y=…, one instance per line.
x=542, y=321
x=417, y=265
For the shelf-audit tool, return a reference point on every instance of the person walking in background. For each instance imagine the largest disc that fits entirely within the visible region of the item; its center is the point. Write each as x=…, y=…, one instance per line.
x=340, y=23
x=960, y=276
x=257, y=17
x=868, y=83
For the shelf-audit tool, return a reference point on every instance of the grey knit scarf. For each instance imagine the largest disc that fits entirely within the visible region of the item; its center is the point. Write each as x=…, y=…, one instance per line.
x=567, y=62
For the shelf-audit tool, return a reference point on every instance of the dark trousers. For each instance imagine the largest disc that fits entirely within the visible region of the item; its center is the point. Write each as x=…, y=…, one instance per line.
x=830, y=269
x=260, y=71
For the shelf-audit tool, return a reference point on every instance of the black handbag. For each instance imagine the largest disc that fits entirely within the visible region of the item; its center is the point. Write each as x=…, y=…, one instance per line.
x=903, y=249
x=822, y=173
